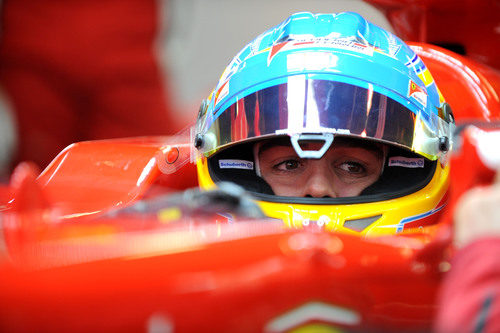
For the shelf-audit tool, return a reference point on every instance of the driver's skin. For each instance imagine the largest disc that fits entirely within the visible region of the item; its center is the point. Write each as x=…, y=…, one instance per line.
x=345, y=170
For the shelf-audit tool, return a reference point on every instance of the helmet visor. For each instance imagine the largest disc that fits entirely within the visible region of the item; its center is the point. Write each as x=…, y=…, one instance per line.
x=303, y=105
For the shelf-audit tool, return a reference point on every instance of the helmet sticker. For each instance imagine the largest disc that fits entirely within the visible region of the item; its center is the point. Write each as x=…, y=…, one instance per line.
x=394, y=45
x=417, y=93
x=420, y=220
x=351, y=43
x=222, y=92
x=406, y=162
x=236, y=164
x=421, y=70
x=417, y=65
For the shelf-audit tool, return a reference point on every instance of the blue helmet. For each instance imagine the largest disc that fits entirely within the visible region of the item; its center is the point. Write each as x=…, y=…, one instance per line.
x=318, y=77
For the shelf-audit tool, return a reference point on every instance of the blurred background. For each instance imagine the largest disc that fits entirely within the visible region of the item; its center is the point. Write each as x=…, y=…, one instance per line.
x=205, y=35
x=83, y=70
x=79, y=70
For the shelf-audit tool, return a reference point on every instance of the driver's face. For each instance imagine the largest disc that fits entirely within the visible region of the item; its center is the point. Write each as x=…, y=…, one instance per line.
x=345, y=170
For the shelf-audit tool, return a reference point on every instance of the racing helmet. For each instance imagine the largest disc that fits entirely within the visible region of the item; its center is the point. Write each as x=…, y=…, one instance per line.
x=325, y=78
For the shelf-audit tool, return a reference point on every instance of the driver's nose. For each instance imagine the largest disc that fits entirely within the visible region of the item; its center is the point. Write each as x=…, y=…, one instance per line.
x=320, y=182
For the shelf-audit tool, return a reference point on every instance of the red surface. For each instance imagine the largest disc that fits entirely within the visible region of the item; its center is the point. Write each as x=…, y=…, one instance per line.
x=82, y=70
x=469, y=23
x=472, y=283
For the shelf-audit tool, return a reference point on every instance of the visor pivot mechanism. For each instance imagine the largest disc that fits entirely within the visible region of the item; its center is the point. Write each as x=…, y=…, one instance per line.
x=198, y=141
x=444, y=144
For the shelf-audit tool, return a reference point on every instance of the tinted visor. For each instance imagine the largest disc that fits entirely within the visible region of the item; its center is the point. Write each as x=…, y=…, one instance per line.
x=304, y=105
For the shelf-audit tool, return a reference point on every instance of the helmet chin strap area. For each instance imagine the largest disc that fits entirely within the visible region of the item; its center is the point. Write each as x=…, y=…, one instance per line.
x=296, y=139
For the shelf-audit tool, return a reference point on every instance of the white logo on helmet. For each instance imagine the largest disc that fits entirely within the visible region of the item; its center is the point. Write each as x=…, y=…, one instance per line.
x=236, y=164
x=406, y=162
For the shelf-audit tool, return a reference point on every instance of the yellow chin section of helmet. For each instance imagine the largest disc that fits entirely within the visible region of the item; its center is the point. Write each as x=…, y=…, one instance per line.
x=406, y=214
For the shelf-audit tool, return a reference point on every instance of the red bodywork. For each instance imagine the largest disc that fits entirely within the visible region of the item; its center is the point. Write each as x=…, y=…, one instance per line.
x=469, y=27
x=69, y=264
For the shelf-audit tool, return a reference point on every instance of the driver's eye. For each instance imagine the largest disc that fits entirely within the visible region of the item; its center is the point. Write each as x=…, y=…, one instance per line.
x=288, y=165
x=352, y=167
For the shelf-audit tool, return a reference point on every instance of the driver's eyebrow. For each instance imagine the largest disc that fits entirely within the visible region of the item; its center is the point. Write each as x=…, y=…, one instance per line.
x=283, y=142
x=374, y=147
